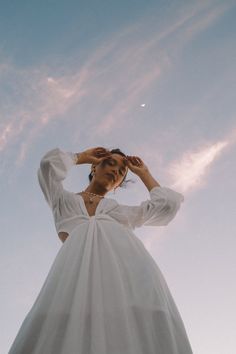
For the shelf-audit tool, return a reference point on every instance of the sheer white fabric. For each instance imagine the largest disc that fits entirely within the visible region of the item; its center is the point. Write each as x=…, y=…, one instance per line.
x=104, y=293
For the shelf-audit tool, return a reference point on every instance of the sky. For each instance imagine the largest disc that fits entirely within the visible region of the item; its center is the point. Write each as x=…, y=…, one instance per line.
x=155, y=79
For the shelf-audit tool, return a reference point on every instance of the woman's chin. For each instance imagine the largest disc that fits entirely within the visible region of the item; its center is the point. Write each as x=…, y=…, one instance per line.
x=107, y=183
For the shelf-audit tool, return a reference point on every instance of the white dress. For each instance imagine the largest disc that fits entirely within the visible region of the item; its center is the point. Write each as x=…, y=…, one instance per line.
x=104, y=293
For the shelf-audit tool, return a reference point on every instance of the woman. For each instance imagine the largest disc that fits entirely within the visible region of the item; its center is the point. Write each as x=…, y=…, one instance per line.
x=104, y=293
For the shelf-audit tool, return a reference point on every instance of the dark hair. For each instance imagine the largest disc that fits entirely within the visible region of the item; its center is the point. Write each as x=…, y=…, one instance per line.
x=124, y=181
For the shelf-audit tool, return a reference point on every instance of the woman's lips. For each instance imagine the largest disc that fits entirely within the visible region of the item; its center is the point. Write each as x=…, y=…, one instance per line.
x=111, y=176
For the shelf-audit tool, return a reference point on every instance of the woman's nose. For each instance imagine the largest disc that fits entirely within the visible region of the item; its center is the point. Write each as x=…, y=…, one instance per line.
x=115, y=171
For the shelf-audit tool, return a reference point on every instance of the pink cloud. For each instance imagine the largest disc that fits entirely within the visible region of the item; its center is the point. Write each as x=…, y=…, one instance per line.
x=114, y=78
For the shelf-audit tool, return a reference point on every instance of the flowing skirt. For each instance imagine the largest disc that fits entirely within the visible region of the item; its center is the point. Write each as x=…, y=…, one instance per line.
x=103, y=295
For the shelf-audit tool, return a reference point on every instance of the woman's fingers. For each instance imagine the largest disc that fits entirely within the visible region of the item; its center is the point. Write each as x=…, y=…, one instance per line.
x=101, y=149
x=135, y=160
x=102, y=152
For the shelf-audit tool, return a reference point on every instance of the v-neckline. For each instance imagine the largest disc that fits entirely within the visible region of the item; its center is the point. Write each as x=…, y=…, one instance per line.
x=84, y=206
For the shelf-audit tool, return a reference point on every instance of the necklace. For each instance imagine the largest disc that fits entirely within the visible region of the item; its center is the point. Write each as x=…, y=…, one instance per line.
x=91, y=198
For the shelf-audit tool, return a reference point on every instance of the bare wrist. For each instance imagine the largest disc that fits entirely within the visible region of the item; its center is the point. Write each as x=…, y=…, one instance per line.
x=143, y=173
x=149, y=181
x=79, y=158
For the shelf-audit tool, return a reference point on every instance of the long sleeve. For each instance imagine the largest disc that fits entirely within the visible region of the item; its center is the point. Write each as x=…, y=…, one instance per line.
x=53, y=169
x=159, y=210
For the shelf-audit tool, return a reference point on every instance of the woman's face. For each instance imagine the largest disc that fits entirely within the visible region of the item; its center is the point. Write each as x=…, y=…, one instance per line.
x=111, y=171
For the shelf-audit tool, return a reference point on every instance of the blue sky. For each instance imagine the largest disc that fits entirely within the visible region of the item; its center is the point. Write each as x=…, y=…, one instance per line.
x=157, y=80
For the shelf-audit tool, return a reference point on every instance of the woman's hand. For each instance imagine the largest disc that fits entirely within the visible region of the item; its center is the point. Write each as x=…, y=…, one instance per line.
x=136, y=165
x=94, y=155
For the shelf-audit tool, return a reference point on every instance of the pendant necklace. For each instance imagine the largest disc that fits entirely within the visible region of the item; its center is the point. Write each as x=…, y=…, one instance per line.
x=92, y=197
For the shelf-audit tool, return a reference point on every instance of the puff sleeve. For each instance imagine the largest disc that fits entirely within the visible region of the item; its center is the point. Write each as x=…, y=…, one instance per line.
x=53, y=169
x=158, y=210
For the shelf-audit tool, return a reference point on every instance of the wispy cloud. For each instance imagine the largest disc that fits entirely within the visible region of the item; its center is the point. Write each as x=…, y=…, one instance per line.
x=191, y=171
x=116, y=76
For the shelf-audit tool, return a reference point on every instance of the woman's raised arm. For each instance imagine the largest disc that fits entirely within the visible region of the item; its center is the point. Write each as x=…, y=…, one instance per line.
x=158, y=210
x=53, y=169
x=55, y=165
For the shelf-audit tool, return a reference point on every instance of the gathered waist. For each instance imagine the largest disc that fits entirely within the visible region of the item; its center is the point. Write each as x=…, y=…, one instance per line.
x=70, y=224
